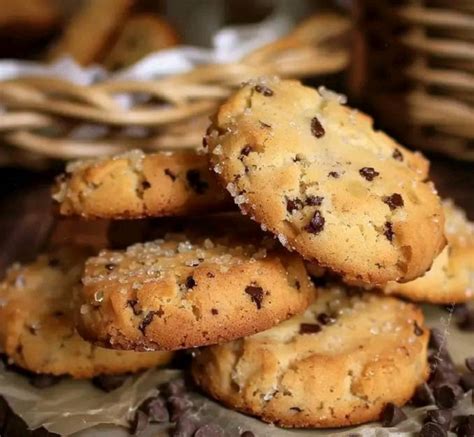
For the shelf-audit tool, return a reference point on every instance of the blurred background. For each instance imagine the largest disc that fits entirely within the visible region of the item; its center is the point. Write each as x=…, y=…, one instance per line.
x=80, y=79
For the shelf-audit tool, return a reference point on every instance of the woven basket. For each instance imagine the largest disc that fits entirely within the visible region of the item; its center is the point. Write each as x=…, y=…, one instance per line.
x=414, y=65
x=54, y=118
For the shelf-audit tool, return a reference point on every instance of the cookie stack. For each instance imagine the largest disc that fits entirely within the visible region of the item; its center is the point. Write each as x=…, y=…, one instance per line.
x=286, y=296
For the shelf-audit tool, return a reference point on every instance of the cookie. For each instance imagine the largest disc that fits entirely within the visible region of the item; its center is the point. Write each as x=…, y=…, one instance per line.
x=336, y=365
x=141, y=35
x=316, y=174
x=185, y=291
x=451, y=278
x=36, y=322
x=90, y=30
x=134, y=185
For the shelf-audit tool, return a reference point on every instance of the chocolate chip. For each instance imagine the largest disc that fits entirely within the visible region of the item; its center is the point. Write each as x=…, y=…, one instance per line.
x=108, y=383
x=247, y=434
x=214, y=311
x=470, y=363
x=441, y=417
x=437, y=339
x=388, y=231
x=110, y=267
x=447, y=395
x=177, y=387
x=293, y=205
x=156, y=410
x=145, y=185
x=178, y=405
x=432, y=429
x=314, y=200
x=43, y=380
x=246, y=150
x=465, y=427
x=316, y=128
x=467, y=381
x=138, y=423
x=394, y=201
x=186, y=426
x=210, y=275
x=264, y=90
x=146, y=321
x=195, y=182
x=316, y=224
x=368, y=173
x=256, y=294
x=170, y=174
x=397, y=155
x=309, y=328
x=324, y=319
x=297, y=284
x=133, y=304
x=190, y=282
x=333, y=174
x=209, y=430
x=392, y=415
x=423, y=395
x=417, y=330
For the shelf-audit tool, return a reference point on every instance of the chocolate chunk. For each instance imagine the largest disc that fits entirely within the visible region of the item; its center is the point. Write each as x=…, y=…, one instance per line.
x=209, y=430
x=246, y=150
x=190, y=282
x=316, y=224
x=145, y=185
x=394, y=201
x=388, y=231
x=133, y=303
x=470, y=363
x=441, y=417
x=314, y=200
x=333, y=174
x=256, y=294
x=309, y=328
x=108, y=383
x=324, y=319
x=156, y=410
x=417, y=330
x=467, y=381
x=195, y=182
x=423, y=396
x=397, y=155
x=264, y=90
x=110, y=266
x=432, y=429
x=146, y=321
x=368, y=173
x=392, y=415
x=447, y=395
x=465, y=427
x=138, y=423
x=170, y=174
x=247, y=434
x=293, y=205
x=43, y=380
x=178, y=405
x=316, y=128
x=186, y=426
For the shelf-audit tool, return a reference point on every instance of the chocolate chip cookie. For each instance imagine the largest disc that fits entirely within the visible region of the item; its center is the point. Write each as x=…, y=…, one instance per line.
x=37, y=325
x=338, y=364
x=185, y=291
x=134, y=185
x=316, y=174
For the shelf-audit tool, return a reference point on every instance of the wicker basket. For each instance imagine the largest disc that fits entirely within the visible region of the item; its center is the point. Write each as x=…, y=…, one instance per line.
x=54, y=118
x=414, y=65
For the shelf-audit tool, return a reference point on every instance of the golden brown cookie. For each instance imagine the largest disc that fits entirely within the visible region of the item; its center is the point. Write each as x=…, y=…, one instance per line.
x=37, y=326
x=134, y=185
x=316, y=174
x=338, y=364
x=451, y=277
x=141, y=35
x=189, y=291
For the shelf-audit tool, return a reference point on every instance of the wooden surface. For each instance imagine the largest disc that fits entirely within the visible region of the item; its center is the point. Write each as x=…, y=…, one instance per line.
x=26, y=219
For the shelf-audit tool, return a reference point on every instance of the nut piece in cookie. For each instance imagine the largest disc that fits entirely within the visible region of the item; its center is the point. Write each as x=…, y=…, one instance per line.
x=316, y=174
x=338, y=364
x=37, y=329
x=451, y=277
x=189, y=290
x=134, y=185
